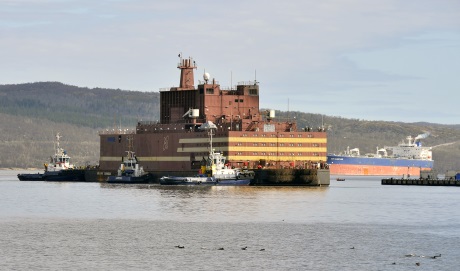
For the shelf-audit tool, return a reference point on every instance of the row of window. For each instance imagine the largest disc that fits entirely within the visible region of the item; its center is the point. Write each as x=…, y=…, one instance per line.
x=280, y=154
x=279, y=135
x=252, y=91
x=255, y=144
x=264, y=135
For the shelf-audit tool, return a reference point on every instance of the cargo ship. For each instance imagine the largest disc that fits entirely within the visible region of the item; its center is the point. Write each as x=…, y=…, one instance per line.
x=409, y=158
x=249, y=138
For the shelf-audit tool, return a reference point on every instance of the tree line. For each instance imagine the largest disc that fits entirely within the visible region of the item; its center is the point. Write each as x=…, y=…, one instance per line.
x=31, y=114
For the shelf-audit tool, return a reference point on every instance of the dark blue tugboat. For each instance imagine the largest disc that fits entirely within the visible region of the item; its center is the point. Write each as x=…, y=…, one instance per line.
x=130, y=172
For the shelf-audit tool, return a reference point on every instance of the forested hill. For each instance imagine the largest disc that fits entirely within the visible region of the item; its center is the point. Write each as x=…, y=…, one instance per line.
x=31, y=114
x=85, y=107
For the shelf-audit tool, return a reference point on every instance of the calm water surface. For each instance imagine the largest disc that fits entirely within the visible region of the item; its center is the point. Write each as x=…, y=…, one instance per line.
x=353, y=225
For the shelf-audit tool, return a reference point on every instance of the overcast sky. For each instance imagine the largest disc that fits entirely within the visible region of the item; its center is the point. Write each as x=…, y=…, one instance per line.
x=392, y=60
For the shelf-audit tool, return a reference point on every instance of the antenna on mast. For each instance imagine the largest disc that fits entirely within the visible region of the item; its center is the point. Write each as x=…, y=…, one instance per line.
x=288, y=112
x=322, y=122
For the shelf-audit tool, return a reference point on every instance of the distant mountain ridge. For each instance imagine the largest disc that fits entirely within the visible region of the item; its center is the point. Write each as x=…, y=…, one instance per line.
x=31, y=113
x=86, y=107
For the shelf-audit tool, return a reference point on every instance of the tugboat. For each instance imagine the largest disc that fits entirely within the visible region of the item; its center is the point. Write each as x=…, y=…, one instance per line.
x=58, y=169
x=214, y=171
x=130, y=171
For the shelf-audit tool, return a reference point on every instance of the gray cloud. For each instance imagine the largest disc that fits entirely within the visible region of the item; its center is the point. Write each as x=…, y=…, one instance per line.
x=307, y=50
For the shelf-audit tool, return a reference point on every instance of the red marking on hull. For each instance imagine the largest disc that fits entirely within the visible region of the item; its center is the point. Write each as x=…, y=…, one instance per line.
x=363, y=170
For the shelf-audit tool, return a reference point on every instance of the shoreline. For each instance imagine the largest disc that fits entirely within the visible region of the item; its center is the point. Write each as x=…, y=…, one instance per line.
x=17, y=168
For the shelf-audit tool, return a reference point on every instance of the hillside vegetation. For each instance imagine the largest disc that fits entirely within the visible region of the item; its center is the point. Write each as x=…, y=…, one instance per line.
x=31, y=114
x=84, y=107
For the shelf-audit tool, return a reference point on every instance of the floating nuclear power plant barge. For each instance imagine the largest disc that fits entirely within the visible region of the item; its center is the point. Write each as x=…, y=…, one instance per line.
x=276, y=150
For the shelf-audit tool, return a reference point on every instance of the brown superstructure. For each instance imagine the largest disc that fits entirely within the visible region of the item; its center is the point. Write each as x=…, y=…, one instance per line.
x=248, y=137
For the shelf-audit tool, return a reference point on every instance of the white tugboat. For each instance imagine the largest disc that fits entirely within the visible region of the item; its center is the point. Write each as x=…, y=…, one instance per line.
x=60, y=160
x=215, y=172
x=130, y=171
x=58, y=169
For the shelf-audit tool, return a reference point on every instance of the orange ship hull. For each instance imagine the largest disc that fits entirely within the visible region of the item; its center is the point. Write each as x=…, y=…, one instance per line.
x=370, y=170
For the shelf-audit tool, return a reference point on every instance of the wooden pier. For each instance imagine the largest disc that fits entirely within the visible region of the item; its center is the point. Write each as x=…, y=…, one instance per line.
x=423, y=182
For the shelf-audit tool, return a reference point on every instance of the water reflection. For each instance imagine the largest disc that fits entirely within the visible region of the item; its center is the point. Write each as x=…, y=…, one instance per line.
x=357, y=200
x=221, y=203
x=238, y=189
x=185, y=191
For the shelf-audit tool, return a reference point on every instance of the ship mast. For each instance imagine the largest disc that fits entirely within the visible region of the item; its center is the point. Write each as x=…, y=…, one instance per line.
x=209, y=127
x=211, y=152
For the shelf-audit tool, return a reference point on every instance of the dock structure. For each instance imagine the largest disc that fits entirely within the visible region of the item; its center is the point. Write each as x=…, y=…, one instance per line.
x=423, y=182
x=427, y=178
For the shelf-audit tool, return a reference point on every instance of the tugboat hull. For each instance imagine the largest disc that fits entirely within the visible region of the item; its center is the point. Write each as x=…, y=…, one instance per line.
x=70, y=175
x=31, y=177
x=130, y=179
